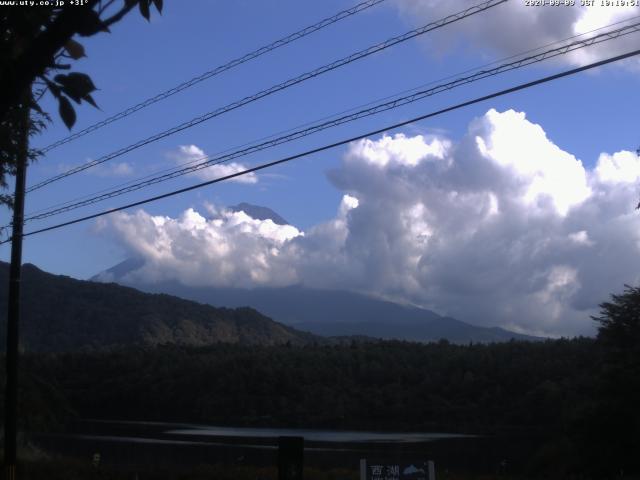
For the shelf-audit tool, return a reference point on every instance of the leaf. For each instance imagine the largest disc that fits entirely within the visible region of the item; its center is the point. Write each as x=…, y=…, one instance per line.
x=158, y=4
x=144, y=9
x=88, y=98
x=76, y=85
x=72, y=95
x=82, y=81
x=67, y=89
x=91, y=24
x=67, y=113
x=55, y=89
x=34, y=105
x=74, y=49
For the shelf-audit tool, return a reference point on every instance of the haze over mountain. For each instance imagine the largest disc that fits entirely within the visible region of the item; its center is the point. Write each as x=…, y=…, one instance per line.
x=322, y=312
x=60, y=313
x=337, y=313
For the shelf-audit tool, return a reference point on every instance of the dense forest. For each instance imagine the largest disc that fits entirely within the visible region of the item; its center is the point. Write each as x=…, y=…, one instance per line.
x=579, y=397
x=387, y=385
x=557, y=390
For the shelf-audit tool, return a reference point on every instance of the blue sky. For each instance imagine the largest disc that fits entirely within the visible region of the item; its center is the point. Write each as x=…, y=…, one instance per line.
x=585, y=116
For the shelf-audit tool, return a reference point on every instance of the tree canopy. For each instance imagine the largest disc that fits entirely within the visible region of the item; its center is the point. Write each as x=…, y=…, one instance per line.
x=37, y=45
x=620, y=320
x=614, y=426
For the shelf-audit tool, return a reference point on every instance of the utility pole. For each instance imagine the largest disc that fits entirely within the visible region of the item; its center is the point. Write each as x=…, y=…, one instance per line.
x=13, y=314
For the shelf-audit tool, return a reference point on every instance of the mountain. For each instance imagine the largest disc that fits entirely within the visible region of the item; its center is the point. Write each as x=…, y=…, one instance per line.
x=259, y=213
x=328, y=312
x=60, y=313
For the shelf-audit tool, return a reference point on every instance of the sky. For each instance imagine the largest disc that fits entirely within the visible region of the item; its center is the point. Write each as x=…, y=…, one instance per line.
x=516, y=212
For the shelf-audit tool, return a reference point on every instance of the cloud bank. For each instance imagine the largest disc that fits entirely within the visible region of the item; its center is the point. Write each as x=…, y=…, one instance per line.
x=192, y=154
x=501, y=227
x=515, y=27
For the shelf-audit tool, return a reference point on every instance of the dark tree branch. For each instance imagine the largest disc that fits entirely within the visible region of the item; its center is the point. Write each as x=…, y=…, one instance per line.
x=103, y=8
x=118, y=16
x=35, y=59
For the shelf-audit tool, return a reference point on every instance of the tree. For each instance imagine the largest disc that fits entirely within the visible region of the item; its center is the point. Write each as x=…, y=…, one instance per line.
x=36, y=44
x=10, y=144
x=619, y=319
x=615, y=425
x=34, y=40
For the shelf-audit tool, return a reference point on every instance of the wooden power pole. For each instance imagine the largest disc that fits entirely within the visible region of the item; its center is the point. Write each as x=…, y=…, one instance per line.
x=13, y=314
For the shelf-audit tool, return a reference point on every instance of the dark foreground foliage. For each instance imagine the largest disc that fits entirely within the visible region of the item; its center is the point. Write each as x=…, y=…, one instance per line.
x=389, y=385
x=580, y=396
x=69, y=469
x=556, y=390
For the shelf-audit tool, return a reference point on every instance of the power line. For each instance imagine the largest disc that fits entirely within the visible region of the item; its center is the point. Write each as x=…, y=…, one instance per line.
x=276, y=88
x=216, y=71
x=263, y=166
x=207, y=161
x=328, y=117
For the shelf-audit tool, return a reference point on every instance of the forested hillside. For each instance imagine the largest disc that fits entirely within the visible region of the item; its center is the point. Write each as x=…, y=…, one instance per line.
x=63, y=314
x=324, y=312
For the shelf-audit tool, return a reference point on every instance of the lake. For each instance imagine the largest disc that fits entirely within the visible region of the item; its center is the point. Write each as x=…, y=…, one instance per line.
x=131, y=444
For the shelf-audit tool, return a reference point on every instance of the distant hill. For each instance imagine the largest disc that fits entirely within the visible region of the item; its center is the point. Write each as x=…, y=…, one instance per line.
x=327, y=312
x=60, y=313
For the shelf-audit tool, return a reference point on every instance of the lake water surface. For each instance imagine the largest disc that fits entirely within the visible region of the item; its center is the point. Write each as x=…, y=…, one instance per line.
x=330, y=436
x=128, y=443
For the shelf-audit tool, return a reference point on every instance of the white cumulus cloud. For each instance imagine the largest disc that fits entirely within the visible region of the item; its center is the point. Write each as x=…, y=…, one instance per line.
x=500, y=227
x=231, y=249
x=515, y=27
x=192, y=154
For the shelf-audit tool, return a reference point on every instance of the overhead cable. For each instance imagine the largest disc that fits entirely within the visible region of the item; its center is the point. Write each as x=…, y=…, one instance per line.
x=207, y=161
x=263, y=166
x=276, y=88
x=329, y=117
x=216, y=71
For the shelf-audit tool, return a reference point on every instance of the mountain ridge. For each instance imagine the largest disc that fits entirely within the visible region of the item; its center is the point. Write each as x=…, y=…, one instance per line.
x=330, y=313
x=60, y=313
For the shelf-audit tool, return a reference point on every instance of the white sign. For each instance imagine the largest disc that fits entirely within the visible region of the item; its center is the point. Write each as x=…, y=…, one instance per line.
x=389, y=470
